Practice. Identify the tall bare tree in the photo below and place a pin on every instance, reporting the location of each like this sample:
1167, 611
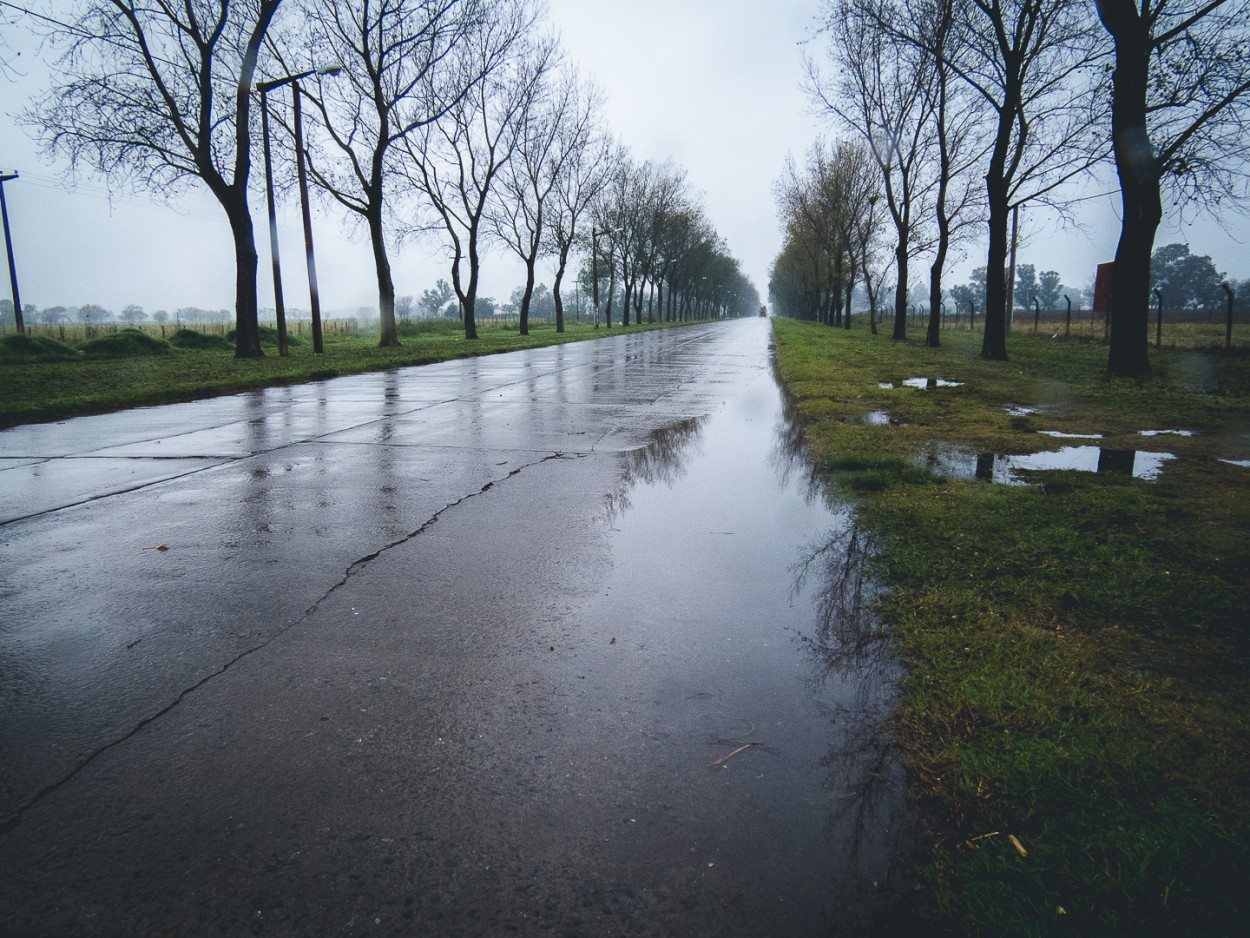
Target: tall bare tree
958, 139
399, 75
883, 92
555, 131
156, 95
1030, 62
577, 184
1180, 120
456, 160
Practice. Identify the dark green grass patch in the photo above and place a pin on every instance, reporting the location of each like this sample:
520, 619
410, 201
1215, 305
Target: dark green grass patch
192, 339
24, 347
1076, 650
418, 327
125, 343
268, 337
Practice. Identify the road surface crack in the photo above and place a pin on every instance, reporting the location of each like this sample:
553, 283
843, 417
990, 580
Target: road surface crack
356, 567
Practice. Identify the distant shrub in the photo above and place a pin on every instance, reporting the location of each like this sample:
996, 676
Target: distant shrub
126, 343
418, 327
268, 336
26, 347
191, 339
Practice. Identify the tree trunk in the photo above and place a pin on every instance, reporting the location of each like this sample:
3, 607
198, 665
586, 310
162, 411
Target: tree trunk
526, 296
1138, 169
555, 287
900, 291
467, 295
386, 285
247, 322
994, 340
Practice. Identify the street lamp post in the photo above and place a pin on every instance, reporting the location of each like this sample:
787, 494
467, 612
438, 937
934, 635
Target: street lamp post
314, 295
5, 176
279, 307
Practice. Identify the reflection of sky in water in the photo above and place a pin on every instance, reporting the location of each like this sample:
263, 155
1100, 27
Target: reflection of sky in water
764, 639
921, 383
994, 467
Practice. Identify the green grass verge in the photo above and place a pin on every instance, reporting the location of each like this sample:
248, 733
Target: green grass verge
42, 379
1077, 648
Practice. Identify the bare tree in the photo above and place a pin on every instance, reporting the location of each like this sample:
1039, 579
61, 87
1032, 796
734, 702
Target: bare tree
577, 184
1180, 118
956, 133
399, 76
156, 95
667, 196
809, 205
831, 213
457, 159
555, 131
1029, 62
883, 92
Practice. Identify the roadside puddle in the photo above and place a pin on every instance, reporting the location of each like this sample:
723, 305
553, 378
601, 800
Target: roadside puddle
924, 384
1005, 469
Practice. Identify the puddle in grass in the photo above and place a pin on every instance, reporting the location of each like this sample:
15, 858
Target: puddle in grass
1060, 435
1005, 470
1167, 432
924, 384
1244, 463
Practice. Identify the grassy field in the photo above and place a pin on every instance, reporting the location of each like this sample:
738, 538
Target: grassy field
1076, 702
98, 372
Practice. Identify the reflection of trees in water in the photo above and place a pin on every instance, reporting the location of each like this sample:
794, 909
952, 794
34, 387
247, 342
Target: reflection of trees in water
864, 768
791, 456
662, 460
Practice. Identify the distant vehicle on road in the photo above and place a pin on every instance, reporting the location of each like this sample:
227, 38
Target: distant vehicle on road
764, 311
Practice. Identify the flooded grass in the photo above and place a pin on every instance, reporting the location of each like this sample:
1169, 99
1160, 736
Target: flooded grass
1077, 659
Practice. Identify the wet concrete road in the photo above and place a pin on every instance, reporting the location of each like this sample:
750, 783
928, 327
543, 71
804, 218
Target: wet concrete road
449, 650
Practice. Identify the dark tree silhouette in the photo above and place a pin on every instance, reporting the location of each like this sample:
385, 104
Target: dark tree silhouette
1179, 118
156, 95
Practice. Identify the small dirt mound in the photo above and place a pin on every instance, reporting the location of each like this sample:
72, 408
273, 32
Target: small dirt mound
191, 339
32, 347
126, 343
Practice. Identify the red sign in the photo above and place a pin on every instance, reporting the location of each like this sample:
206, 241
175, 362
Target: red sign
1102, 288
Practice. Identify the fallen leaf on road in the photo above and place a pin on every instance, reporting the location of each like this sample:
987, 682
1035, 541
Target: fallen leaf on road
162, 548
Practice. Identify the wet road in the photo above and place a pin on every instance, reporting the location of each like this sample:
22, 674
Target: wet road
555, 642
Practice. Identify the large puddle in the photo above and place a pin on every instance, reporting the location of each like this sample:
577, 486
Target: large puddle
1009, 470
756, 675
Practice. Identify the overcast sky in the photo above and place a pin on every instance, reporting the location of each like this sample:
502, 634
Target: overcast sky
710, 84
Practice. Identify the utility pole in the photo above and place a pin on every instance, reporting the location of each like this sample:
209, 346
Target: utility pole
5, 176
279, 306
313, 294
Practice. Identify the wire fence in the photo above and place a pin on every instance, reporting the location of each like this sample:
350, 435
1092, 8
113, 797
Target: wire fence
1191, 328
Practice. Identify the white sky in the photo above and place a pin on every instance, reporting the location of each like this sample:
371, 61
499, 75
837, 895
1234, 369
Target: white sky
711, 84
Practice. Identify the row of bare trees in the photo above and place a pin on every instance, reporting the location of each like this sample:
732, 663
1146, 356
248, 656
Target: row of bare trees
456, 120
970, 109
